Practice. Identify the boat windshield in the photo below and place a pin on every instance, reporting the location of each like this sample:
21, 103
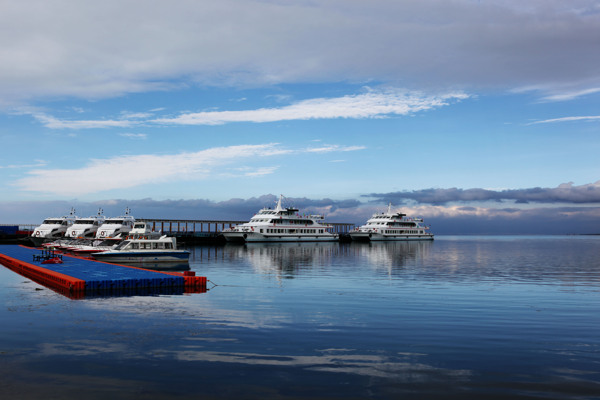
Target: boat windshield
122, 245
114, 222
52, 221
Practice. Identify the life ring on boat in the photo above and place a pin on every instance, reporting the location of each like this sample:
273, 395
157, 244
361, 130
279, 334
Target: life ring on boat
37, 233
102, 233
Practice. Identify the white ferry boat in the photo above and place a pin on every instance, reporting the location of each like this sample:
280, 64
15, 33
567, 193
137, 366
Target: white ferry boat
281, 225
52, 228
85, 228
112, 227
142, 249
391, 226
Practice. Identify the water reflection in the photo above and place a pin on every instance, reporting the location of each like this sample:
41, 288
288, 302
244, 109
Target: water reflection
389, 255
284, 259
504, 259
474, 318
290, 259
160, 266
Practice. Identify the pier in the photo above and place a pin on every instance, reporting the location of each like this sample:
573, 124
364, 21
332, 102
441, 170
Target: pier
187, 231
198, 231
78, 277
172, 226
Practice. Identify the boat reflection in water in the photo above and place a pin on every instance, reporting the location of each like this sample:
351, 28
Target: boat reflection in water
285, 259
391, 255
290, 259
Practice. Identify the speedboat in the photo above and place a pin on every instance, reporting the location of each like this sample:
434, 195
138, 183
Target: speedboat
52, 228
84, 228
91, 246
392, 226
144, 249
112, 227
281, 225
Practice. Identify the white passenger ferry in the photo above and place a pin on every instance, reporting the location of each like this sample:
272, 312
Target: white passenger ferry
391, 226
85, 228
52, 228
112, 227
281, 225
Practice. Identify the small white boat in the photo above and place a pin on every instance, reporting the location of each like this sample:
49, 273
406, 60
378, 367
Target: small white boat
112, 227
281, 225
52, 228
84, 228
92, 246
144, 249
391, 226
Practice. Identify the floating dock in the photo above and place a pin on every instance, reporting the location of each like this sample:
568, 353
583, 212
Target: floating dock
79, 277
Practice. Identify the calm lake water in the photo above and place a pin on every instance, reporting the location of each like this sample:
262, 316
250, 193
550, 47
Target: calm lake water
459, 318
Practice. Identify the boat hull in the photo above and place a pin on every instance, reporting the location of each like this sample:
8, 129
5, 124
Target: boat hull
142, 257
378, 237
40, 240
251, 237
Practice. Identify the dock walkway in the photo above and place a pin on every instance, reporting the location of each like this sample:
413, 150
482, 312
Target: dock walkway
86, 276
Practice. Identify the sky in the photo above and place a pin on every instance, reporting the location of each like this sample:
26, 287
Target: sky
480, 116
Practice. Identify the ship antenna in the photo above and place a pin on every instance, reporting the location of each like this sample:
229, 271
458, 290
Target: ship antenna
279, 207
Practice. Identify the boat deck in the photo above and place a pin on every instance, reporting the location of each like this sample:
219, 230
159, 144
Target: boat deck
82, 277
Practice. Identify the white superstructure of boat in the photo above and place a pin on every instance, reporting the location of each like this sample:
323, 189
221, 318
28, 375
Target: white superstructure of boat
281, 225
85, 228
112, 227
52, 228
143, 249
392, 226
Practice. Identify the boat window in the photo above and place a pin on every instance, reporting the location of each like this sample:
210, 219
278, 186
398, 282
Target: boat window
122, 245
168, 245
135, 245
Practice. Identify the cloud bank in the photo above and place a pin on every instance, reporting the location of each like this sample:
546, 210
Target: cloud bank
133, 170
110, 48
564, 193
444, 220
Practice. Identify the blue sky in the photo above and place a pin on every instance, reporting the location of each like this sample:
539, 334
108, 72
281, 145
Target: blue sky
480, 116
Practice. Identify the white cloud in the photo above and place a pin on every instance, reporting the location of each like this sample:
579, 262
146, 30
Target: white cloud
47, 52
134, 135
261, 171
38, 164
567, 119
130, 171
369, 105
55, 123
373, 104
334, 147
571, 95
